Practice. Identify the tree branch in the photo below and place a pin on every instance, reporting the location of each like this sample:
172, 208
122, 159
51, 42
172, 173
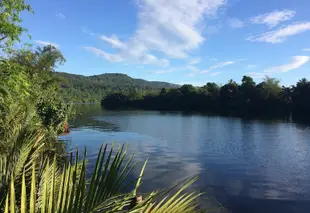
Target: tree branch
4, 37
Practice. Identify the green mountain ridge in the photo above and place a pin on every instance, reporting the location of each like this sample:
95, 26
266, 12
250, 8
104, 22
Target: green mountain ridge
79, 88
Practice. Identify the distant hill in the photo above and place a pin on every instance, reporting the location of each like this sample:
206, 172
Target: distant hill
81, 88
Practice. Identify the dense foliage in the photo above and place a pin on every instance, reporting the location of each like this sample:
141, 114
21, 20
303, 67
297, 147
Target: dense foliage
248, 97
10, 27
36, 173
78, 88
27, 81
67, 189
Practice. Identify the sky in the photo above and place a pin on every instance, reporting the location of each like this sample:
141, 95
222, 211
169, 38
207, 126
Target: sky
178, 41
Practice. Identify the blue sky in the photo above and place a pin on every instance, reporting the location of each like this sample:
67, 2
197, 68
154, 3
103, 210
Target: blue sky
179, 41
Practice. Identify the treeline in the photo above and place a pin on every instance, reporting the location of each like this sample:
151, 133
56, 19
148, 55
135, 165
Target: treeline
248, 97
78, 88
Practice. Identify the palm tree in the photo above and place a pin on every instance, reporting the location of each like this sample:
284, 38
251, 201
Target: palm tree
302, 82
53, 188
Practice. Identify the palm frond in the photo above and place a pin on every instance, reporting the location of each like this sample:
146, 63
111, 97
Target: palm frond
66, 189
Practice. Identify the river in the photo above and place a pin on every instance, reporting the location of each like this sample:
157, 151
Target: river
249, 166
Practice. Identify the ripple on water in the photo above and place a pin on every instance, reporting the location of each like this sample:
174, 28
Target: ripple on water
248, 165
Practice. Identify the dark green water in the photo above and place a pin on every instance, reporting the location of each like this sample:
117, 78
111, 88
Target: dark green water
250, 166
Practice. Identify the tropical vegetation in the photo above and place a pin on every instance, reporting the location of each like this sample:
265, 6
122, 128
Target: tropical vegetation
37, 174
248, 97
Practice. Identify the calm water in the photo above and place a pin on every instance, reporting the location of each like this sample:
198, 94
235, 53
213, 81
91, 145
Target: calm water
249, 166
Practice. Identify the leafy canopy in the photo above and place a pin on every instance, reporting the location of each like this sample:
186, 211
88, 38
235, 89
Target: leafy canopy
10, 21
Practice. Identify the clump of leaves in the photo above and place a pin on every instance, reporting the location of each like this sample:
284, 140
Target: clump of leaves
10, 21
66, 189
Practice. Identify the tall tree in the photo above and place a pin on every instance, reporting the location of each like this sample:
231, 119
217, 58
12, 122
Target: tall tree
247, 89
10, 21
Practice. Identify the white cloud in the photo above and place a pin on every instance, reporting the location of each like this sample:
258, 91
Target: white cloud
106, 56
194, 71
306, 49
114, 41
274, 18
297, 61
218, 65
215, 74
60, 15
172, 28
142, 59
235, 23
192, 68
280, 35
194, 61
45, 43
251, 66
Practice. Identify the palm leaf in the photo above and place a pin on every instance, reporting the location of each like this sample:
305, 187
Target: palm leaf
66, 189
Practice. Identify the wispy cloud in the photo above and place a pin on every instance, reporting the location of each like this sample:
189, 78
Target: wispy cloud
194, 61
280, 35
274, 18
251, 66
106, 56
235, 23
218, 65
194, 70
113, 41
60, 15
87, 31
215, 74
143, 59
295, 63
172, 28
306, 49
45, 43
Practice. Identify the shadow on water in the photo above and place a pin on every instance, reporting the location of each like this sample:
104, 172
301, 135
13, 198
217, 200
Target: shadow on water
298, 118
84, 117
85, 113
248, 165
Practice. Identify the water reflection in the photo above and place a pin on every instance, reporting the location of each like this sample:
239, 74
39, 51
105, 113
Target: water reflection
248, 165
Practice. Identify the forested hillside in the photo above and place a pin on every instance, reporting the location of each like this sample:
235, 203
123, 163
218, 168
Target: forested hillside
80, 88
